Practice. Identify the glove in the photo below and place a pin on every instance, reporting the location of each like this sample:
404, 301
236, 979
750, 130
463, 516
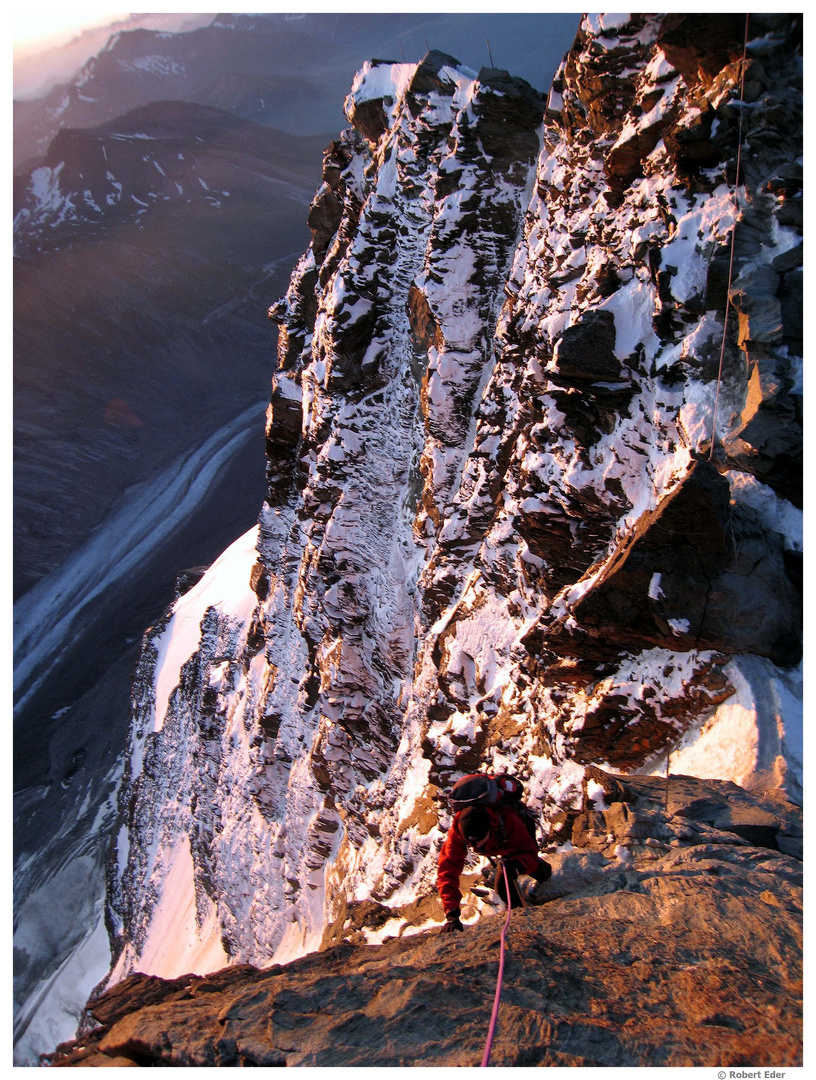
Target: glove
452, 922
543, 871
513, 868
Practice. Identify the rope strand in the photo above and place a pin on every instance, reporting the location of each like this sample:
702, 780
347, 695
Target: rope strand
733, 238
492, 1029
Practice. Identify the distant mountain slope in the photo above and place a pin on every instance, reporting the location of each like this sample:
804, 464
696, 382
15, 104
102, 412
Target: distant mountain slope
290, 72
140, 331
150, 250
195, 158
141, 243
210, 66
37, 70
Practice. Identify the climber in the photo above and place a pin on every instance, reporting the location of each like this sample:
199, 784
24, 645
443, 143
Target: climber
494, 823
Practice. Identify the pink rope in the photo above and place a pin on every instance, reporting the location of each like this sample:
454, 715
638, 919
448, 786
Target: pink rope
492, 1029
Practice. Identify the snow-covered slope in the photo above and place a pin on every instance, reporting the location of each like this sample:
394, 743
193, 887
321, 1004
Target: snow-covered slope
146, 163
494, 532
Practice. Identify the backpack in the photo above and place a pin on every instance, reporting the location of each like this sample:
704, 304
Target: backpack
482, 789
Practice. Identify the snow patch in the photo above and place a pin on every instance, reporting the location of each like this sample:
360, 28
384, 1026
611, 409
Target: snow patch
225, 586
633, 307
598, 23
178, 940
755, 737
776, 515
595, 794
153, 64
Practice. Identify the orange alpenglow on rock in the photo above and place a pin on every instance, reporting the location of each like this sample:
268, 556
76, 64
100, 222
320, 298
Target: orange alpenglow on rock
119, 412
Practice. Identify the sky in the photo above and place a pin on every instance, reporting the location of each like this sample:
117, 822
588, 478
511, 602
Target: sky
34, 30
43, 29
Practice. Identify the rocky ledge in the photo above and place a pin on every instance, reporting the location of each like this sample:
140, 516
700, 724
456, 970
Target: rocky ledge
672, 937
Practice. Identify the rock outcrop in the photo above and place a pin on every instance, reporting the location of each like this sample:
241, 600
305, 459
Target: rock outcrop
516, 515
672, 938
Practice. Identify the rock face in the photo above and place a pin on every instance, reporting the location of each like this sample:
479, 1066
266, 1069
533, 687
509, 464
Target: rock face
496, 533
678, 944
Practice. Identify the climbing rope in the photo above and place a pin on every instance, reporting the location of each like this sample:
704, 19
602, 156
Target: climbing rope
733, 238
492, 1029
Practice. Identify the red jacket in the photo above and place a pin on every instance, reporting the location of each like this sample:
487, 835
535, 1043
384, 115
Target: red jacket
516, 844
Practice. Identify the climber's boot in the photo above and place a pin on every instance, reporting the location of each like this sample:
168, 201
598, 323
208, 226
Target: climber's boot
530, 890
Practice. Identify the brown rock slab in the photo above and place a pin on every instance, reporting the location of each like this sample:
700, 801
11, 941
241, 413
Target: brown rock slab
685, 950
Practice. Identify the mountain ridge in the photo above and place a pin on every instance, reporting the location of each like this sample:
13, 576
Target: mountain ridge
678, 947
503, 526
478, 551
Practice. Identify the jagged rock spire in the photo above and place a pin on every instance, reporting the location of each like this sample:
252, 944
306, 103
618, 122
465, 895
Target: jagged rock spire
490, 536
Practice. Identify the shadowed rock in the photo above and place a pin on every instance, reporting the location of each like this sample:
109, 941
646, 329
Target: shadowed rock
585, 351
692, 555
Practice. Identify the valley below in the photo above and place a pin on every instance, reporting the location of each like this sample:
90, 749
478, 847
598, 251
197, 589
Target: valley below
96, 608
